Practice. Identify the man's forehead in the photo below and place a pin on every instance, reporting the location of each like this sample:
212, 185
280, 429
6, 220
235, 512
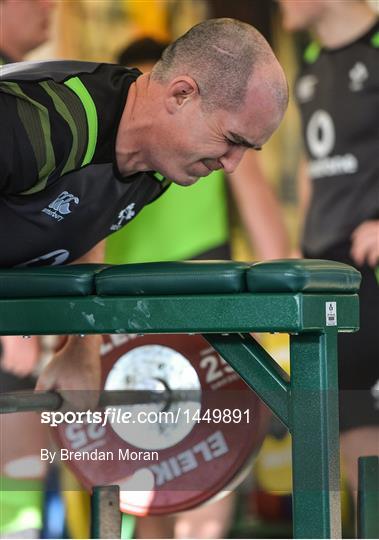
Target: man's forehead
261, 112
253, 124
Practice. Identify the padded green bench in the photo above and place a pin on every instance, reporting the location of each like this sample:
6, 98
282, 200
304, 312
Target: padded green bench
311, 300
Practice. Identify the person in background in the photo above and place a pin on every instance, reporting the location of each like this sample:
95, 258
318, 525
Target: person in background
338, 96
192, 223
25, 25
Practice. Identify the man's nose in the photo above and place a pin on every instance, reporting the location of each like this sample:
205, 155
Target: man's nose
231, 158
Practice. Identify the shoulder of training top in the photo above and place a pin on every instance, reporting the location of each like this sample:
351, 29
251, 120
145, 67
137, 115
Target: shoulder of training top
313, 49
58, 70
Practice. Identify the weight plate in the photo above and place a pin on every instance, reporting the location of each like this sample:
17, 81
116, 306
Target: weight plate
195, 452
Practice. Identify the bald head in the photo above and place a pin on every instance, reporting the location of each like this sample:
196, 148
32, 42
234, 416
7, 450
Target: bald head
215, 92
222, 55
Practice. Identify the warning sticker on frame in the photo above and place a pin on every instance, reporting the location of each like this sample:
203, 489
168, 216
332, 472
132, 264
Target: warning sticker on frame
331, 313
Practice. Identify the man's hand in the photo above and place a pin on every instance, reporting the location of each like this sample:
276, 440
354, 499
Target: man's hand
20, 355
75, 367
365, 243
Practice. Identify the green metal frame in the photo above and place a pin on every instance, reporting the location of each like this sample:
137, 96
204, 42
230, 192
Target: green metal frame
307, 402
222, 313
368, 497
105, 512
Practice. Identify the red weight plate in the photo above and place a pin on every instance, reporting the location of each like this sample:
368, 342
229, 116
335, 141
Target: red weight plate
167, 467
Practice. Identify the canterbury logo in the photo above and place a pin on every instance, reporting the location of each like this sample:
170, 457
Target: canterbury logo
61, 205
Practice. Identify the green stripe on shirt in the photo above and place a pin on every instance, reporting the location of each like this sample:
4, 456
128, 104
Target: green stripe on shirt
36, 121
75, 118
76, 85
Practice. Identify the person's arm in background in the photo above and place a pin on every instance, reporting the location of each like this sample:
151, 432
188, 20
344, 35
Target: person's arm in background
365, 243
76, 366
365, 238
304, 188
259, 209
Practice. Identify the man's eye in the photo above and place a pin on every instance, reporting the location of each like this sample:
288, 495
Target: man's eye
232, 143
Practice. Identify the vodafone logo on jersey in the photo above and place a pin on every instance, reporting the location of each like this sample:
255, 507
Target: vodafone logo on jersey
321, 135
321, 138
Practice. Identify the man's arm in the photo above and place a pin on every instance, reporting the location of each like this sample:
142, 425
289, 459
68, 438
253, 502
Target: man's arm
304, 190
259, 209
76, 366
22, 150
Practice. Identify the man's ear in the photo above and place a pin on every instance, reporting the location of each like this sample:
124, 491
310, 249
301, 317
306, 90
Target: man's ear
180, 91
